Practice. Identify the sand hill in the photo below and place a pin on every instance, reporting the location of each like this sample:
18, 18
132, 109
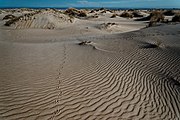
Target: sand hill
43, 20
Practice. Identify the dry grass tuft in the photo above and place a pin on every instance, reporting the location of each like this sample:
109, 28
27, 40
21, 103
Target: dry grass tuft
126, 15
12, 21
155, 16
102, 8
114, 15
104, 11
176, 18
93, 16
169, 13
92, 11
107, 25
9, 17
82, 14
137, 14
75, 13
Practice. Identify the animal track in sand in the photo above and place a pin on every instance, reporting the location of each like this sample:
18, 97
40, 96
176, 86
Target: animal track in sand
59, 80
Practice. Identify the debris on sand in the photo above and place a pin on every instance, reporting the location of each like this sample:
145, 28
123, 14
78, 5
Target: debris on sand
85, 43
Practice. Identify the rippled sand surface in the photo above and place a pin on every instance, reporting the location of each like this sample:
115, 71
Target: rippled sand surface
127, 76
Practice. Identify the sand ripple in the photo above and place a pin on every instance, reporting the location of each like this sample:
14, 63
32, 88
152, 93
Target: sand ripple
65, 81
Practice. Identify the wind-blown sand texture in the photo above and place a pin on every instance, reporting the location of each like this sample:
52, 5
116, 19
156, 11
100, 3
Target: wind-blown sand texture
47, 75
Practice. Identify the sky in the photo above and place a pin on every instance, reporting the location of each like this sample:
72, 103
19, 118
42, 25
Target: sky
92, 3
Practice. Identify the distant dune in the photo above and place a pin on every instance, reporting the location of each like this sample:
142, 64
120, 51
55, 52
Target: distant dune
45, 20
61, 66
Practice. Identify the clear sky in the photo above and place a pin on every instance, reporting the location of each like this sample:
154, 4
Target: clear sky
92, 3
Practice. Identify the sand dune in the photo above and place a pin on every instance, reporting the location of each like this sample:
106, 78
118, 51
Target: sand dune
123, 76
49, 21
43, 20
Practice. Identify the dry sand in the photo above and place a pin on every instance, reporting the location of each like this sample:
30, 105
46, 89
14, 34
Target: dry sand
124, 73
